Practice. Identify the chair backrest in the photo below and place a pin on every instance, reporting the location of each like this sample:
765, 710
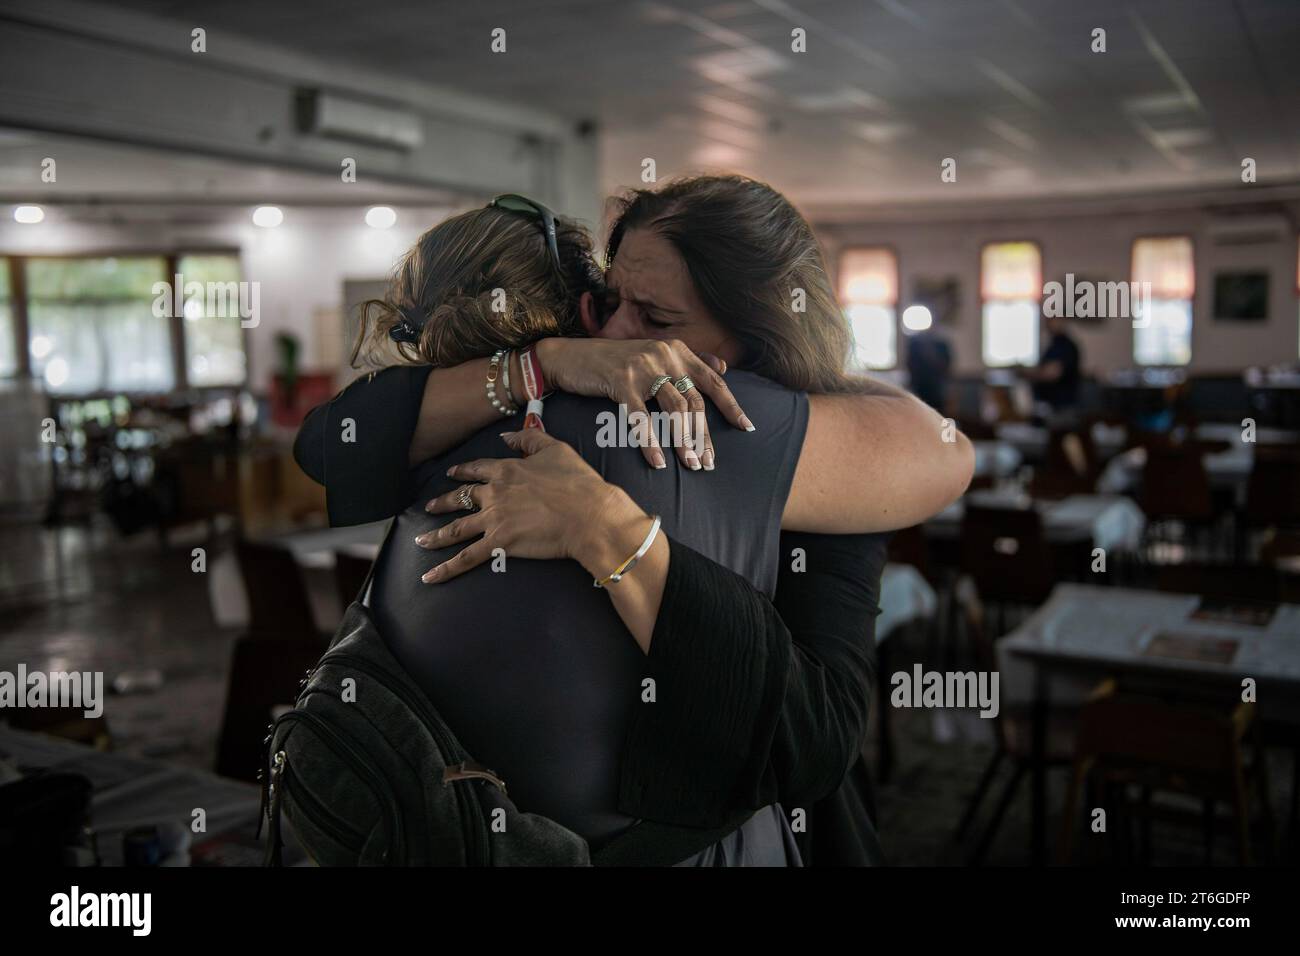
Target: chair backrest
1174, 483
1170, 735
1243, 582
1005, 551
277, 595
1273, 491
264, 673
983, 646
1073, 451
350, 572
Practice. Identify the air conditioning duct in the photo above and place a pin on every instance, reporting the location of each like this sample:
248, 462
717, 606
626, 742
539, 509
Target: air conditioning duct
342, 117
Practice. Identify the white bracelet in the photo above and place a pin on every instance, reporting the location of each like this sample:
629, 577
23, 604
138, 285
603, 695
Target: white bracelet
506, 408
630, 563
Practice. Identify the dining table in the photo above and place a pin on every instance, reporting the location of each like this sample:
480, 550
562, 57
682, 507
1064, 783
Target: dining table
1084, 633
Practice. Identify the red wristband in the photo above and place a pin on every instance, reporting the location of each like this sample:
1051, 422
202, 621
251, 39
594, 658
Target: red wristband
534, 387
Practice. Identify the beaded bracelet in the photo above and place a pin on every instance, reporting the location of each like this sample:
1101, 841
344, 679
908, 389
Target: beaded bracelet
506, 408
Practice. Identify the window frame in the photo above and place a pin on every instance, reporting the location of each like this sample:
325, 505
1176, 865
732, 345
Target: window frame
898, 291
1191, 300
20, 300
979, 286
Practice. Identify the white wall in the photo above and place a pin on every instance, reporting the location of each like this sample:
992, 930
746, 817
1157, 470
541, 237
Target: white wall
1096, 245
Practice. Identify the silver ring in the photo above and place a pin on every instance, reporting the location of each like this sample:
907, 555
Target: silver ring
659, 383
684, 384
465, 497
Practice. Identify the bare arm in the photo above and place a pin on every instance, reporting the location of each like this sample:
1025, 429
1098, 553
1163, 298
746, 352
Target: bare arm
876, 461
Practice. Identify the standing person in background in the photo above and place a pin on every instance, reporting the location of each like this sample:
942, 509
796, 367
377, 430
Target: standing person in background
1056, 377
929, 361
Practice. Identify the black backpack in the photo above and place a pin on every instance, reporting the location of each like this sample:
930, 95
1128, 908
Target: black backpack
370, 774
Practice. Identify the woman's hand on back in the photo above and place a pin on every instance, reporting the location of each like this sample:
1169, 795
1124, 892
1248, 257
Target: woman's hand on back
625, 371
550, 504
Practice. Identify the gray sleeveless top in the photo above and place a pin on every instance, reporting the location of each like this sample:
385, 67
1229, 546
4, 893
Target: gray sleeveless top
531, 667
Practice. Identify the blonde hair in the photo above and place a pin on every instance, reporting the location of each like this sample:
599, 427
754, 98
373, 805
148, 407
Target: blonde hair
478, 282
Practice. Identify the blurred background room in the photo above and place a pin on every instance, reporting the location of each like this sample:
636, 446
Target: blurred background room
1072, 228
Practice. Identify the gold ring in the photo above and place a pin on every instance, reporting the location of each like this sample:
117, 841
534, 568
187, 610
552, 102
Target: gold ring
465, 496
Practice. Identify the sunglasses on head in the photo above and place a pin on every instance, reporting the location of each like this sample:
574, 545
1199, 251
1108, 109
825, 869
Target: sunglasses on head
513, 202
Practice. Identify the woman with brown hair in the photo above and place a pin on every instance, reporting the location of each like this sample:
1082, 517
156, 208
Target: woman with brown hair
685, 267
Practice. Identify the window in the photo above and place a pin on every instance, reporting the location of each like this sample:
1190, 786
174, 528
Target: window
1164, 337
1011, 289
92, 324
8, 352
869, 293
214, 339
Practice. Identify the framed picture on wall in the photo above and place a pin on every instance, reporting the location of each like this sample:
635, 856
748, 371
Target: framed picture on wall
941, 295
1241, 296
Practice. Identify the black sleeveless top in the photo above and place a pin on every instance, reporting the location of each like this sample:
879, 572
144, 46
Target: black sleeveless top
531, 667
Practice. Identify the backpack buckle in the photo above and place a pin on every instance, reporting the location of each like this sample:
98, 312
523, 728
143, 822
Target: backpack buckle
469, 770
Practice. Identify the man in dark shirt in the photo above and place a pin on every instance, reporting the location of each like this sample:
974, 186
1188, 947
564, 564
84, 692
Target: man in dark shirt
929, 360
1056, 376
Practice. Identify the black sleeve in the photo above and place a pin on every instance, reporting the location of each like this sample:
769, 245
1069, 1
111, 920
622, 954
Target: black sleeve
748, 710
358, 445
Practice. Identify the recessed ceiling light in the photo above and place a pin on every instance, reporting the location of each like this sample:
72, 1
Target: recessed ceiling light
380, 217
28, 214
267, 216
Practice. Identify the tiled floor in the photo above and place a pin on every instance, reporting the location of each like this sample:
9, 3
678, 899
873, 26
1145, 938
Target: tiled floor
85, 599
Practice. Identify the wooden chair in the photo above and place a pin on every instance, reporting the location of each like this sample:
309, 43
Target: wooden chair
1175, 485
1013, 736
1226, 582
278, 604
1005, 552
264, 673
1273, 490
1203, 750
350, 572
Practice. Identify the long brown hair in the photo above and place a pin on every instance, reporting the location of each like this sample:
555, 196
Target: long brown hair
477, 282
749, 252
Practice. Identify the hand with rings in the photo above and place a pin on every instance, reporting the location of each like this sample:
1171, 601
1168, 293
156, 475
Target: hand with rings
634, 372
549, 504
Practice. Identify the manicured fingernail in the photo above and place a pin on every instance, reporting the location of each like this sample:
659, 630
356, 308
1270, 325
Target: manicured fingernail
707, 459
432, 575
429, 506
657, 459
506, 434
423, 539
723, 363
746, 424
451, 472
693, 461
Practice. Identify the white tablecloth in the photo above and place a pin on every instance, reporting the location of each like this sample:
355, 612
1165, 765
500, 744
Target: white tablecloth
1112, 522
904, 596
1085, 625
314, 551
996, 458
